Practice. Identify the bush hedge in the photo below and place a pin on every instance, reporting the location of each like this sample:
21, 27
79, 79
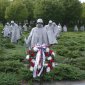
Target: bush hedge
10, 66
9, 79
61, 72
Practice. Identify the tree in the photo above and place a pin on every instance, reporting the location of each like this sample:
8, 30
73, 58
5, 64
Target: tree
16, 11
3, 5
49, 9
72, 11
83, 14
29, 6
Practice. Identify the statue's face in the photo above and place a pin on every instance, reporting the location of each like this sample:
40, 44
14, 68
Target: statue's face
7, 24
12, 24
50, 24
39, 25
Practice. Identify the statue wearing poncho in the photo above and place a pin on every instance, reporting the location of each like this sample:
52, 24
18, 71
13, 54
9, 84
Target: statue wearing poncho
37, 36
15, 36
51, 33
6, 30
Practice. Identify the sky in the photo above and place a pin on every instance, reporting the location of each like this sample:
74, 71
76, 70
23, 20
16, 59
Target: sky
82, 1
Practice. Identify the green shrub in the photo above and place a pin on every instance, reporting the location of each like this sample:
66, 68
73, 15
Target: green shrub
21, 41
49, 76
70, 72
5, 40
65, 72
80, 63
61, 72
82, 48
74, 54
71, 43
18, 57
59, 59
62, 52
70, 61
12, 54
9, 45
1, 27
81, 41
11, 57
73, 48
1, 51
9, 79
25, 74
10, 66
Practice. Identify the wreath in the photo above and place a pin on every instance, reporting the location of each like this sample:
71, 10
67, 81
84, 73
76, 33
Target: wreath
40, 58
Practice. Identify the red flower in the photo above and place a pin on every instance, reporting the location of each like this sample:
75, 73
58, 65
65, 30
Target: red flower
50, 51
32, 64
49, 65
47, 54
32, 54
51, 60
30, 59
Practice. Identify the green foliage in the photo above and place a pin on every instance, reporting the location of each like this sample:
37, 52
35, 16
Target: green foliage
64, 11
1, 27
49, 9
61, 72
16, 11
10, 66
3, 5
83, 13
2, 51
9, 79
71, 49
9, 45
29, 6
65, 72
78, 62
25, 74
58, 10
11, 57
69, 72
71, 16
